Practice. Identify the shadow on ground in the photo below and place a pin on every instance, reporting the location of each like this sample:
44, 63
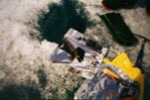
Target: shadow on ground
147, 86
21, 92
70, 93
42, 78
67, 14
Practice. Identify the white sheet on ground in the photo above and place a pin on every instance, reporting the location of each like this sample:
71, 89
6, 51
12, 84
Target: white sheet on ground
60, 56
91, 58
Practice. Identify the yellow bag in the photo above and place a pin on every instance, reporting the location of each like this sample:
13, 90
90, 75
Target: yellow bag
123, 62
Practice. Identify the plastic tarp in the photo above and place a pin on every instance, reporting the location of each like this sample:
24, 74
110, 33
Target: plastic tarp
103, 87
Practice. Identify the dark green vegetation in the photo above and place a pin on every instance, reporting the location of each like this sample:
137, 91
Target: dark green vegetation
61, 17
20, 92
118, 29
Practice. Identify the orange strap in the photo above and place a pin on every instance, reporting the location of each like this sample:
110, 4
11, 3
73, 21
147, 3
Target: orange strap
110, 73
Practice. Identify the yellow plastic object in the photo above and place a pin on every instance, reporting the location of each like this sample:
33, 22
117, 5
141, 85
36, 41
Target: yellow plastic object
123, 62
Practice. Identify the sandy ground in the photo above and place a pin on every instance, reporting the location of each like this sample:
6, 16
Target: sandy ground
24, 58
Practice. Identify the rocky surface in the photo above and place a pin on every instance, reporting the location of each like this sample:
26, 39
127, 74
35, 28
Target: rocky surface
24, 53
